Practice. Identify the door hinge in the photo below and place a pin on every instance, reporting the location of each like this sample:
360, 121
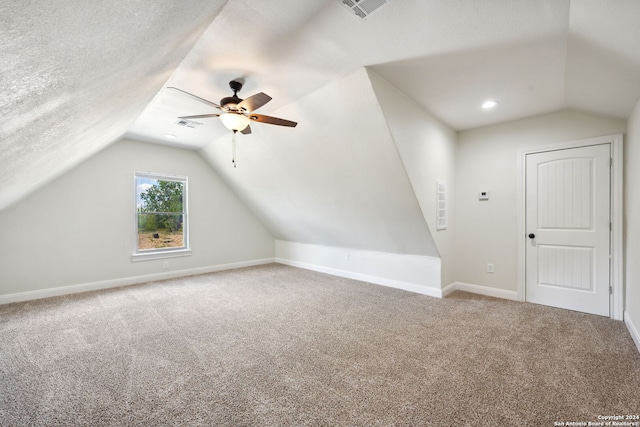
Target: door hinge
610, 290
611, 162
610, 226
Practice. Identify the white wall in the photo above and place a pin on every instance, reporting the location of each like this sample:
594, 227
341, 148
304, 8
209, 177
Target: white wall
486, 232
335, 180
338, 182
80, 228
415, 273
427, 147
632, 224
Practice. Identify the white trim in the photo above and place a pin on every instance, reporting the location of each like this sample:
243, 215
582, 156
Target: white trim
617, 236
145, 254
406, 286
415, 273
480, 290
451, 287
617, 233
158, 254
161, 176
635, 335
125, 281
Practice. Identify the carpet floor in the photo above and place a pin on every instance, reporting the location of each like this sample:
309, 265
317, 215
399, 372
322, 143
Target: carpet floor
279, 346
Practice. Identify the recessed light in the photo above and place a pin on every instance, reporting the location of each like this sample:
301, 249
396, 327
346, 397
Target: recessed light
489, 104
169, 135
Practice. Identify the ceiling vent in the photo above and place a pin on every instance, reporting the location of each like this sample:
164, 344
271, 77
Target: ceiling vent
363, 8
188, 123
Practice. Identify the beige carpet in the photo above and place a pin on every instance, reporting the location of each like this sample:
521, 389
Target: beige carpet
279, 346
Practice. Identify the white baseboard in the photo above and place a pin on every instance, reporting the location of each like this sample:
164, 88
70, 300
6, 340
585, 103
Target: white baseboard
411, 287
635, 335
125, 281
481, 290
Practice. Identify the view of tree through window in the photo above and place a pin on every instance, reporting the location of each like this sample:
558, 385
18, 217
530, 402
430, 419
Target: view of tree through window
161, 213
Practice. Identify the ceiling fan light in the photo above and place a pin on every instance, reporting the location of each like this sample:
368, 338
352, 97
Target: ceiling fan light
235, 121
489, 104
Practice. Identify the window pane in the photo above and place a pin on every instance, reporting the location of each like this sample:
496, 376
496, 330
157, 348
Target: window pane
155, 195
157, 231
161, 212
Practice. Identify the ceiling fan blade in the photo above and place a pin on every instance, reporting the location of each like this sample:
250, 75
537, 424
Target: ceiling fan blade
199, 116
254, 102
272, 120
195, 97
246, 131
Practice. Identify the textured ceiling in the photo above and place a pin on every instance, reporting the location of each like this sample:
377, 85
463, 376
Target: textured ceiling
76, 75
534, 56
292, 48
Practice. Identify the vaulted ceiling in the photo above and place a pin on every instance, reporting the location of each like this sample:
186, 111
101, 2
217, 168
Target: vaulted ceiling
78, 75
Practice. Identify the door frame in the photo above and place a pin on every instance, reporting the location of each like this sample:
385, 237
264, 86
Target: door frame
616, 302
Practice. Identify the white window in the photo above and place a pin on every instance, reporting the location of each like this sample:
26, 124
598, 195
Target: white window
162, 221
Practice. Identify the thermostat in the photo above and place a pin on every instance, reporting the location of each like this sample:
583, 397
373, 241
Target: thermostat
483, 195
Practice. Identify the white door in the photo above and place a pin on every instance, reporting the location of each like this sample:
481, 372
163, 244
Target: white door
568, 223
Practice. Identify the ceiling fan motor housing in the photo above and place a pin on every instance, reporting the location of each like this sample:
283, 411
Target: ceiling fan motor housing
230, 102
235, 86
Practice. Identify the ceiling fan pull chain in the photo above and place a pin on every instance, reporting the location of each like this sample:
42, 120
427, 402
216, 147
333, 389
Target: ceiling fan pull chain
233, 149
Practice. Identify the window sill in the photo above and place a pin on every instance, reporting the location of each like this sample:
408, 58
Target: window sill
147, 256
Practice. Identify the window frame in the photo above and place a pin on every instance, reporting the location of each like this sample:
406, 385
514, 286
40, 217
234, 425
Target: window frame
158, 253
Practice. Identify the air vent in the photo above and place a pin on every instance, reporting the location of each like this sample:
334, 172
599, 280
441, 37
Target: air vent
361, 9
188, 123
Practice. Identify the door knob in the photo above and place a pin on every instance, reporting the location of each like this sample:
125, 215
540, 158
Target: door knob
532, 236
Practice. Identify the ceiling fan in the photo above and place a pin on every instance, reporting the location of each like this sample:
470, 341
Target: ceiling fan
237, 113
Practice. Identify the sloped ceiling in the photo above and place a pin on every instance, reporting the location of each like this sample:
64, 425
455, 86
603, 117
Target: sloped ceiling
336, 180
78, 75
603, 57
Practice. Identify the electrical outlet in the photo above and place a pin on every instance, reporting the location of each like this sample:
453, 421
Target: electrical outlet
489, 268
165, 265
